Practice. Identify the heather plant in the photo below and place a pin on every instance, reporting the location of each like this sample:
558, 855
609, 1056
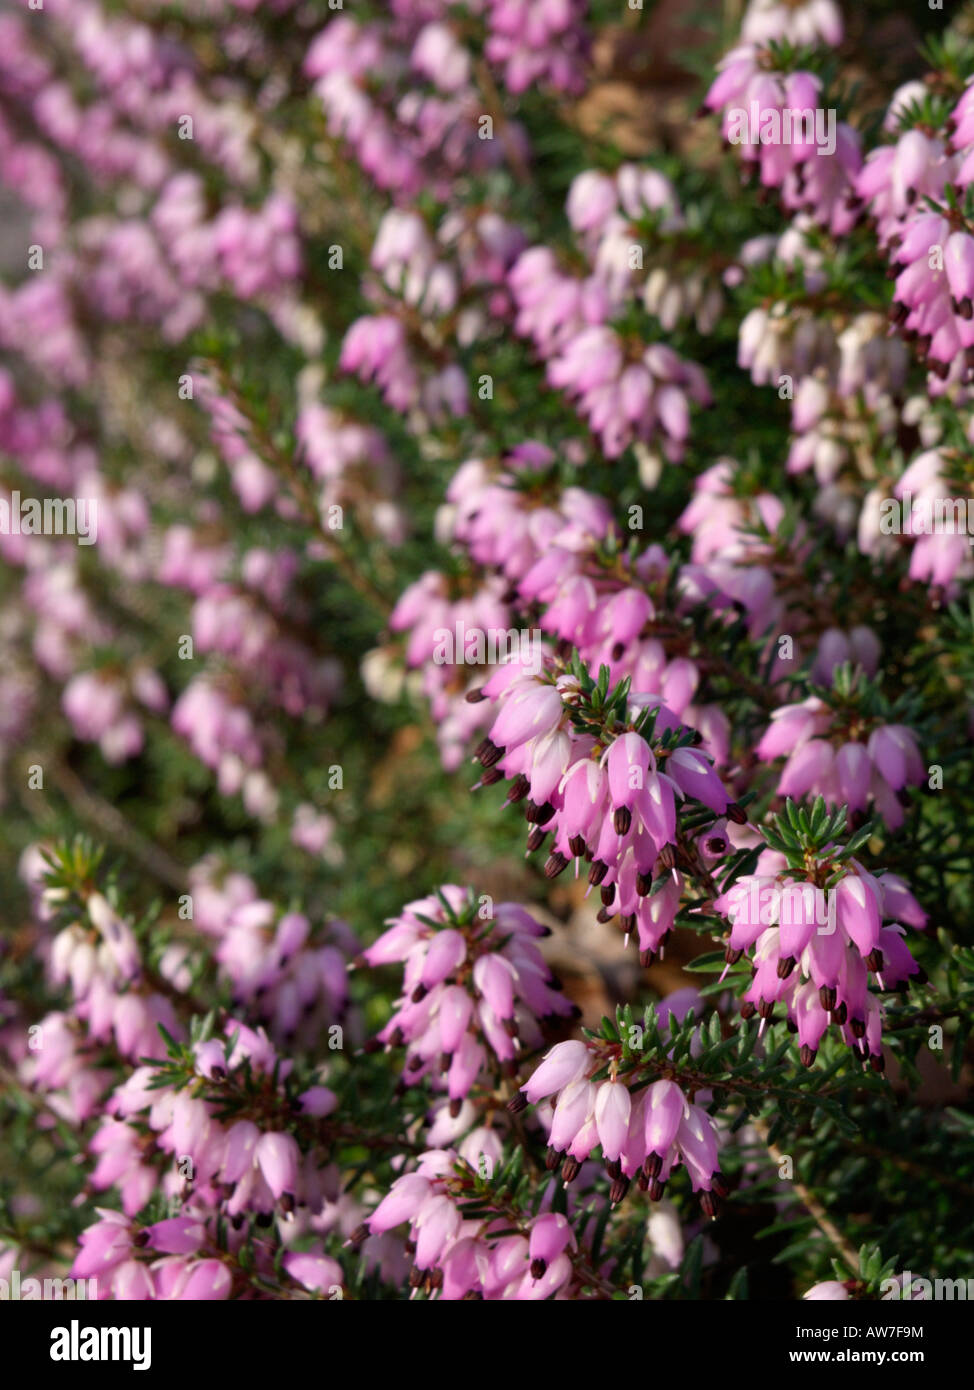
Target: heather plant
486, 649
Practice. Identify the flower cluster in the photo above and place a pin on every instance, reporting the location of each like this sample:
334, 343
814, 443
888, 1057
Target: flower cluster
390, 388
819, 937
627, 393
227, 1172
772, 110
478, 1257
644, 1131
475, 988
603, 778
832, 754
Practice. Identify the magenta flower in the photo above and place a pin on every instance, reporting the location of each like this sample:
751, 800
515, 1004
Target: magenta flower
473, 993
814, 949
643, 1133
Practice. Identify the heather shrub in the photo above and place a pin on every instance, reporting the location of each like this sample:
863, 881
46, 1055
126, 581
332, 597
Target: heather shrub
486, 649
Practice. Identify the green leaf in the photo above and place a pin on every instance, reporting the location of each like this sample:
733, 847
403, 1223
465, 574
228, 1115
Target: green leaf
609, 1030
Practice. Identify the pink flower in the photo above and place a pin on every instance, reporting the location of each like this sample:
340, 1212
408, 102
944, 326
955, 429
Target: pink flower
278, 1157
206, 1281
830, 1291
565, 1063
316, 1272
665, 1110
612, 1109
695, 776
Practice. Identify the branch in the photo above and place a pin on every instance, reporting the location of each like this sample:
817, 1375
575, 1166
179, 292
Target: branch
821, 1217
